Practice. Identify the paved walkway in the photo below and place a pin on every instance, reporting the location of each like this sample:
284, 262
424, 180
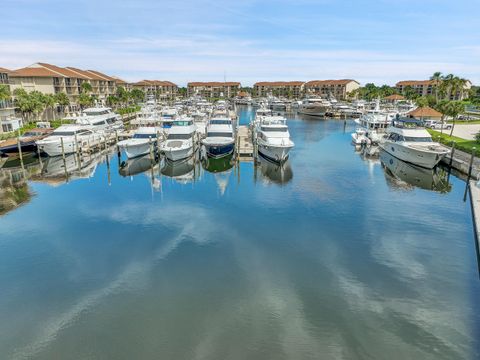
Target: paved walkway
465, 131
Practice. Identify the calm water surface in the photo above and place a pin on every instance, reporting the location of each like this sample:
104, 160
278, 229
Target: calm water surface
330, 257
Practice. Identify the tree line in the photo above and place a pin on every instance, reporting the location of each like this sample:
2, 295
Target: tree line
35, 103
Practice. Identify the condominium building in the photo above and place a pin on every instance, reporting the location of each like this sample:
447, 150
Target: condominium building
427, 87
162, 89
7, 109
52, 79
289, 89
331, 88
213, 89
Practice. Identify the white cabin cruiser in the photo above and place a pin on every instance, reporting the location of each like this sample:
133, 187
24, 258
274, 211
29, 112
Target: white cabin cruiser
273, 138
140, 144
374, 123
409, 141
72, 135
179, 142
220, 137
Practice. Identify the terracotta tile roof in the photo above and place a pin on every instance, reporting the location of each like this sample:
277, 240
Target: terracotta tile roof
101, 75
329, 82
118, 80
213, 83
34, 72
279, 83
154, 83
395, 97
81, 72
415, 82
64, 71
3, 70
424, 112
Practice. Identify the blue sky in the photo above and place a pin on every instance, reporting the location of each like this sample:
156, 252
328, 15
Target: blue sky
380, 41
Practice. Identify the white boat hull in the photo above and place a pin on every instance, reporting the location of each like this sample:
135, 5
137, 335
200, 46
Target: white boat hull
135, 149
274, 152
173, 152
421, 157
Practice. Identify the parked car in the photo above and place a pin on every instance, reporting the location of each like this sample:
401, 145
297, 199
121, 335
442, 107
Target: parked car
439, 126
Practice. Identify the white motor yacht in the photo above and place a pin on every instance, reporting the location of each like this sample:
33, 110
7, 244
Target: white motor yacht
314, 106
220, 137
273, 138
101, 118
179, 142
408, 140
72, 136
374, 123
142, 141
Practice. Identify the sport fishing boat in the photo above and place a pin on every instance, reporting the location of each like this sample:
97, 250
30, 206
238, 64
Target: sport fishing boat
72, 135
273, 138
408, 141
179, 142
140, 144
27, 142
220, 138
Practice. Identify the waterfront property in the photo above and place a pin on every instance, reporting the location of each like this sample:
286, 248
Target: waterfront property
7, 108
427, 87
330, 256
288, 89
338, 89
163, 89
52, 79
425, 113
207, 90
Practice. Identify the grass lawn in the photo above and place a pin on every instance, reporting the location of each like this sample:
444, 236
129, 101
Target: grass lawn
464, 122
461, 144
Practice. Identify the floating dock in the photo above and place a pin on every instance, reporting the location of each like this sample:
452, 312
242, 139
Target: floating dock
244, 144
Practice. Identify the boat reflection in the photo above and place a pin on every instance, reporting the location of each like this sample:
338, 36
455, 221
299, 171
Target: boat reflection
275, 173
222, 169
183, 172
136, 166
57, 171
407, 176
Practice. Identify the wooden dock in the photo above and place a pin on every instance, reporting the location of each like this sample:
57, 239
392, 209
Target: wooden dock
244, 144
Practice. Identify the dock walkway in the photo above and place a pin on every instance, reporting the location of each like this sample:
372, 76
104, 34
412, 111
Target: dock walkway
461, 162
244, 144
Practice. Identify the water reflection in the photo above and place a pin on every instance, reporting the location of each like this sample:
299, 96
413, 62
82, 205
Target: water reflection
136, 166
413, 176
14, 189
56, 170
183, 172
275, 173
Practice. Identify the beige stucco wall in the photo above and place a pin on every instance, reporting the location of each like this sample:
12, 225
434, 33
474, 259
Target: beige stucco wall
42, 84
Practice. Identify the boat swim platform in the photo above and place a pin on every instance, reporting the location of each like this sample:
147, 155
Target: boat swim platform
244, 144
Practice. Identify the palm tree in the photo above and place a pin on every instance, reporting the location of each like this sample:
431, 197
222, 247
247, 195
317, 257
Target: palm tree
4, 92
62, 100
112, 100
122, 95
85, 100
437, 80
86, 87
455, 108
50, 101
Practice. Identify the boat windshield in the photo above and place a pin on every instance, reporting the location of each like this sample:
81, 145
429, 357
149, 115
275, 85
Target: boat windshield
219, 134
96, 112
64, 133
274, 129
418, 139
183, 123
220, 122
179, 136
144, 136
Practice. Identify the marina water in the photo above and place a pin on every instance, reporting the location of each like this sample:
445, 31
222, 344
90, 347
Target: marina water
329, 257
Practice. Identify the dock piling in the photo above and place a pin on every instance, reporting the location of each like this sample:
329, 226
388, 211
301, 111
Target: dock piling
19, 145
